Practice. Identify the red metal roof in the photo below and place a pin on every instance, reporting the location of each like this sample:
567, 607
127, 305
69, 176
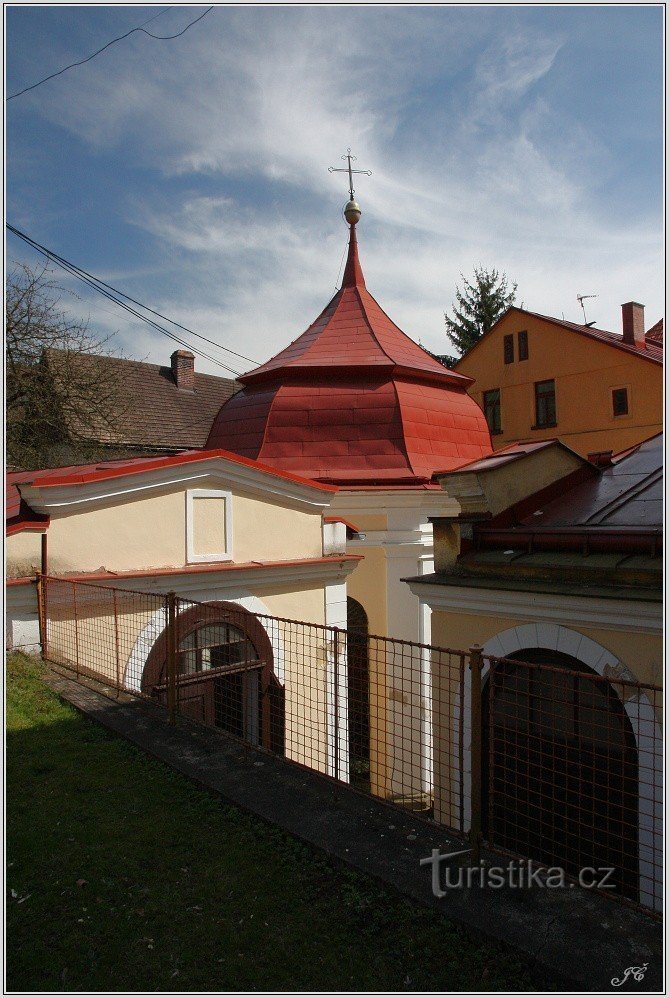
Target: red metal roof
505, 455
626, 494
20, 516
353, 331
655, 334
354, 401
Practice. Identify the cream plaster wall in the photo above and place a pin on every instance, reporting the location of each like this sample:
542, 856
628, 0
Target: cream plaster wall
302, 604
23, 554
368, 584
209, 534
150, 532
641, 653
265, 530
139, 534
21, 623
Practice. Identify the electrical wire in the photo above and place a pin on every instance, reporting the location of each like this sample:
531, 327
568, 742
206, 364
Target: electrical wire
108, 292
59, 259
82, 62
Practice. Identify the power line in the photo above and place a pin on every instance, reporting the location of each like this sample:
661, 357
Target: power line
116, 296
59, 259
92, 282
82, 62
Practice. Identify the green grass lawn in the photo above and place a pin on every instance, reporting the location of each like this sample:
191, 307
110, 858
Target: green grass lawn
124, 876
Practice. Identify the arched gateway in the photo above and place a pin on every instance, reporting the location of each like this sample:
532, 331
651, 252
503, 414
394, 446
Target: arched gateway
560, 766
225, 669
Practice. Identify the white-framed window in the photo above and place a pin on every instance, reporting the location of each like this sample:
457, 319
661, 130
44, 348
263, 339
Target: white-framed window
208, 525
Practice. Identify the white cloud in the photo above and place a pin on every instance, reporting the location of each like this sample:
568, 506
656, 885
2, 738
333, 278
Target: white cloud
262, 101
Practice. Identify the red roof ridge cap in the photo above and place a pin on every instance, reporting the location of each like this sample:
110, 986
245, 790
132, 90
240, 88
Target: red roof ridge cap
369, 323
156, 464
353, 275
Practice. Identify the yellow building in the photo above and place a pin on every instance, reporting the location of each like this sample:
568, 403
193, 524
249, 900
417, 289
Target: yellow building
240, 546
537, 378
559, 583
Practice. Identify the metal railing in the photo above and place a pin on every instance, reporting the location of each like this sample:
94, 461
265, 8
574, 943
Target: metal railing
573, 769
536, 760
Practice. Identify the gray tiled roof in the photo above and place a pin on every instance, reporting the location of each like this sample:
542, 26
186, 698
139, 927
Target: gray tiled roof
153, 412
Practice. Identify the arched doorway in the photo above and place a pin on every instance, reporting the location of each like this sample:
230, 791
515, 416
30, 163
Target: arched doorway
560, 767
358, 693
225, 673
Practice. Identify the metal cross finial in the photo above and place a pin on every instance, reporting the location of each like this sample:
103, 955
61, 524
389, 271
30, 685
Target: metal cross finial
348, 169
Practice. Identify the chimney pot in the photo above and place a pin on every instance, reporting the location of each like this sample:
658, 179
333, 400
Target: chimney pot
183, 369
634, 328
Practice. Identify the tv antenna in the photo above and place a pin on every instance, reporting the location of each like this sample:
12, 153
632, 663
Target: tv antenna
580, 299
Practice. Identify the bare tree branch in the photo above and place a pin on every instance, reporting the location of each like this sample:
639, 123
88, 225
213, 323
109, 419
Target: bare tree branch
63, 396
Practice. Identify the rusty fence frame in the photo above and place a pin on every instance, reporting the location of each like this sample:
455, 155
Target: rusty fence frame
464, 736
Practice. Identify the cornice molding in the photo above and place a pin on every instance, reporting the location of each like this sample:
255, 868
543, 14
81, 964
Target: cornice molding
59, 500
640, 617
248, 577
433, 502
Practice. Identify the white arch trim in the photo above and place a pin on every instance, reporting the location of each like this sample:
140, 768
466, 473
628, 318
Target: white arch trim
158, 622
639, 710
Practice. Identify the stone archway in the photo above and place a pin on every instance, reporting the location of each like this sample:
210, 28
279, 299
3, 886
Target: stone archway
641, 717
226, 670
560, 767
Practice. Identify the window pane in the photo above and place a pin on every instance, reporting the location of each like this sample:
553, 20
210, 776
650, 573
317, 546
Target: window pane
522, 345
189, 662
544, 394
493, 410
620, 404
215, 646
213, 634
508, 349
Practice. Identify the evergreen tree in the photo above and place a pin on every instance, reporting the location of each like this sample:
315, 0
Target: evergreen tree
478, 306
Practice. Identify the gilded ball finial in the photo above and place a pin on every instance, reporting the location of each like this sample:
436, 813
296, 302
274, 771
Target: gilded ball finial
352, 212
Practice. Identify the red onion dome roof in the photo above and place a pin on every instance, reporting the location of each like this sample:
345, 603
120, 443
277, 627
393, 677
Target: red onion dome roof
354, 400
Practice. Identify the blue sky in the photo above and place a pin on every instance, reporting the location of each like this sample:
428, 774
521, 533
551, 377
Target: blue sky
193, 173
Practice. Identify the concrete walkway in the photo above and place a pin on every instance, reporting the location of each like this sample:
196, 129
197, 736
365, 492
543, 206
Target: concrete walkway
578, 936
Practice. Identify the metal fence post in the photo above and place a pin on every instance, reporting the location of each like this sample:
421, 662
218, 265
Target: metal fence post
41, 614
117, 646
476, 665
336, 702
76, 627
172, 657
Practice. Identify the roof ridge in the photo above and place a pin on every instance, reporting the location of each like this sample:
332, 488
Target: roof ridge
439, 366
605, 336
369, 323
404, 438
131, 360
602, 514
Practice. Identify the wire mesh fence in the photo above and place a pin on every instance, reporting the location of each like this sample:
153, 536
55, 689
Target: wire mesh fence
100, 632
538, 760
572, 771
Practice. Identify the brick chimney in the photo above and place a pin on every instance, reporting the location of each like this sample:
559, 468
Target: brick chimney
634, 329
183, 369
